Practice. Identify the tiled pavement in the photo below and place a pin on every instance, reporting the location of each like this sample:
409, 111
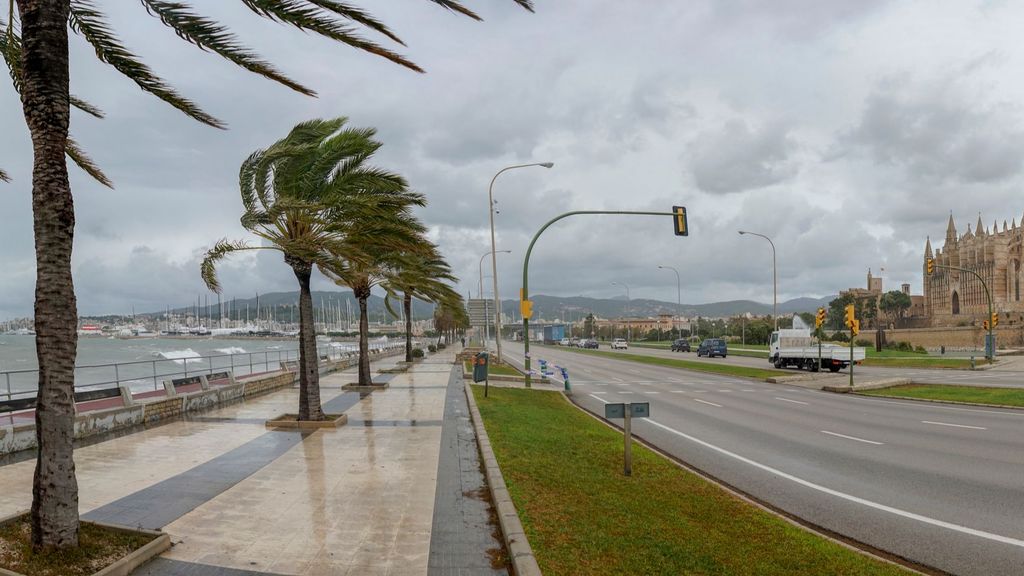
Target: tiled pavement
238, 499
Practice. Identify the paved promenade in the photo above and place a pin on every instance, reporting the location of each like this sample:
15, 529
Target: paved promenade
238, 499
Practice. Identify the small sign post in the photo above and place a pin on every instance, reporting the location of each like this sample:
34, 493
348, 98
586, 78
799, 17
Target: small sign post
627, 412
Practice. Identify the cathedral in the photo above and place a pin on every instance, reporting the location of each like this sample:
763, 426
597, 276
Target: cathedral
956, 298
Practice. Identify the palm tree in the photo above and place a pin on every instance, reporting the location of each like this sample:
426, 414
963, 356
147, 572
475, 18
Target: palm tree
35, 47
389, 239
309, 196
423, 276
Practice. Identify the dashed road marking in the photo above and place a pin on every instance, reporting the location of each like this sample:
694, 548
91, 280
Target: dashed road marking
953, 425
852, 438
793, 401
706, 402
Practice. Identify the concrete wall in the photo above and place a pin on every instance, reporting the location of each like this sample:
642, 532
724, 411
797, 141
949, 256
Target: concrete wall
966, 337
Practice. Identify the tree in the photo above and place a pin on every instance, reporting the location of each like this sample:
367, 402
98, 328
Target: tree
421, 275
306, 197
588, 326
894, 304
35, 47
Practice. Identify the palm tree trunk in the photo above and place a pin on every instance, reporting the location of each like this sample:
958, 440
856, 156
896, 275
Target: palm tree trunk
364, 326
407, 305
309, 372
45, 102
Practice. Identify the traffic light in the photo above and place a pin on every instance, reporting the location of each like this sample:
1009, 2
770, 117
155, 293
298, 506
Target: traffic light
995, 319
850, 316
819, 318
930, 264
984, 324
526, 308
679, 221
854, 328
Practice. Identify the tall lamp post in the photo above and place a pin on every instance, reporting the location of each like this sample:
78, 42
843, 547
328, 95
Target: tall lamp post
775, 284
494, 258
481, 292
629, 325
679, 291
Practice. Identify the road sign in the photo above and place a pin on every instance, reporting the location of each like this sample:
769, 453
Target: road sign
679, 221
627, 412
640, 409
526, 308
481, 312
615, 410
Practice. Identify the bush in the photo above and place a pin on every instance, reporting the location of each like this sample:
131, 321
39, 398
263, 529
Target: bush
839, 337
417, 352
920, 350
442, 346
863, 342
904, 347
431, 348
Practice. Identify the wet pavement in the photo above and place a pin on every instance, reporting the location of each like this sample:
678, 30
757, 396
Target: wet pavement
238, 499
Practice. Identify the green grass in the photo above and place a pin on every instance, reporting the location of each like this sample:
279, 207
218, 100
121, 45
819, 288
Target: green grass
1001, 396
98, 548
923, 362
496, 369
583, 517
726, 369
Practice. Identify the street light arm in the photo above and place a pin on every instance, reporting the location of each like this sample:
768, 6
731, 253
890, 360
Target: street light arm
775, 283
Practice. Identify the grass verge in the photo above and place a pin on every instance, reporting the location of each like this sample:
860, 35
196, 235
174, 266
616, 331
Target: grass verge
98, 548
725, 369
583, 517
496, 369
923, 362
972, 394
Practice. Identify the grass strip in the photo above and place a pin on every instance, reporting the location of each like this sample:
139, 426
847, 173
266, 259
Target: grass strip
972, 394
924, 362
495, 369
98, 548
583, 517
726, 369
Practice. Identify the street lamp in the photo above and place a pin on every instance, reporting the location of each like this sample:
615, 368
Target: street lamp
775, 284
679, 301
629, 325
494, 258
481, 292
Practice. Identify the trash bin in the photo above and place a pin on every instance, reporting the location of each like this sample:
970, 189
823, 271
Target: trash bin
480, 364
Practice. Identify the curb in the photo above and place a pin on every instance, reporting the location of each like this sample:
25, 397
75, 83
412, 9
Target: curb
523, 561
877, 384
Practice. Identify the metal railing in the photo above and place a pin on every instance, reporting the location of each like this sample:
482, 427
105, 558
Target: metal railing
145, 375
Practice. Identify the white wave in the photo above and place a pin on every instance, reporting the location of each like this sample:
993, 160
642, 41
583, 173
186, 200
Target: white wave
180, 356
231, 350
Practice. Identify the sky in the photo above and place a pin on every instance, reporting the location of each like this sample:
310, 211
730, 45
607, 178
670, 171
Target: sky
847, 131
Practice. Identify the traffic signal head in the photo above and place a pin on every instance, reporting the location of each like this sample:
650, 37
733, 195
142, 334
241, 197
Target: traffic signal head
854, 328
679, 221
819, 318
526, 308
995, 319
930, 264
984, 324
850, 317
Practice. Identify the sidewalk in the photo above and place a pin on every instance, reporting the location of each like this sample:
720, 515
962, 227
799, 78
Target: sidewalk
239, 499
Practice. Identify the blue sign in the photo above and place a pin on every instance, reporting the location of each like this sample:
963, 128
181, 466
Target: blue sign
615, 410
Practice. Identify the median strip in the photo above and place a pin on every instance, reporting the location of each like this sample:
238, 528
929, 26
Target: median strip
956, 394
711, 368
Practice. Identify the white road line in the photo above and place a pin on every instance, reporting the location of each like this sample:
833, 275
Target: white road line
706, 402
953, 425
616, 380
725, 390
602, 400
678, 391
848, 497
853, 438
652, 392
700, 390
928, 405
748, 390
600, 393
625, 392
793, 401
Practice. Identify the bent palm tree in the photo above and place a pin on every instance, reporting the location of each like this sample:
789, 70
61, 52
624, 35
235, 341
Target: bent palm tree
304, 196
422, 276
34, 45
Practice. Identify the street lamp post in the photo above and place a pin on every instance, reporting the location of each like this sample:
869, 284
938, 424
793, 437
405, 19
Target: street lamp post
494, 258
481, 292
629, 325
679, 291
775, 284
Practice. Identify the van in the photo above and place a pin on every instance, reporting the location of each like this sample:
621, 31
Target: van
713, 347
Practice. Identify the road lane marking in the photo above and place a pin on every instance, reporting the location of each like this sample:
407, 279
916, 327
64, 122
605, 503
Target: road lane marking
625, 392
651, 392
616, 380
678, 391
725, 390
601, 393
852, 438
793, 401
929, 405
700, 390
748, 390
953, 425
843, 495
602, 400
706, 402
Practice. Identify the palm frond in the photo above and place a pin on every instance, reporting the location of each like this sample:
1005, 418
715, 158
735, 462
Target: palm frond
88, 21
357, 15
208, 268
209, 35
79, 157
4, 177
304, 17
87, 107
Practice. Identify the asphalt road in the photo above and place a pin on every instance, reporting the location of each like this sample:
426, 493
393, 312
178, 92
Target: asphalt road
938, 485
1009, 372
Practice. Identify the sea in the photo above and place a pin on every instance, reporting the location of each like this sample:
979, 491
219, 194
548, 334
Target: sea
144, 363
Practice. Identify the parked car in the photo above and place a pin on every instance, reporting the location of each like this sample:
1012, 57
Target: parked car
591, 344
681, 345
619, 344
563, 342
713, 347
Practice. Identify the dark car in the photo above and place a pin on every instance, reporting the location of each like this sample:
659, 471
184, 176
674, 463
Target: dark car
713, 347
591, 344
681, 345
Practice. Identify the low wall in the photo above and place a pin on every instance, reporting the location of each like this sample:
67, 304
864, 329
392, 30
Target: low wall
23, 436
961, 337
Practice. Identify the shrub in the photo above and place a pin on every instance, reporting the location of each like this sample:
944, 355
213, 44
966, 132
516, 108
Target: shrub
431, 348
839, 337
904, 347
417, 352
863, 342
920, 350
442, 346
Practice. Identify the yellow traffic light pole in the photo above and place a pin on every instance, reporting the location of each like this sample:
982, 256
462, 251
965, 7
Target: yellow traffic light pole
679, 221
931, 265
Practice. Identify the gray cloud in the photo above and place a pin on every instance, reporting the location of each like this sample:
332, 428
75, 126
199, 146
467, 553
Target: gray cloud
736, 158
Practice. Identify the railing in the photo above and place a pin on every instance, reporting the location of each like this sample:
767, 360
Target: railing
144, 375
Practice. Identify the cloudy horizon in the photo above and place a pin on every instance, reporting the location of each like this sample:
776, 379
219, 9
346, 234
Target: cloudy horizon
846, 131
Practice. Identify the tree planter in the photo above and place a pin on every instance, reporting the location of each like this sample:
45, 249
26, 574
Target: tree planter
158, 543
292, 421
355, 387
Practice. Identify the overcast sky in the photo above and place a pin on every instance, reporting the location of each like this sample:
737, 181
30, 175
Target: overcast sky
845, 130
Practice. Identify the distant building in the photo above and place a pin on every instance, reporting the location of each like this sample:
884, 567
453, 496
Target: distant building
954, 298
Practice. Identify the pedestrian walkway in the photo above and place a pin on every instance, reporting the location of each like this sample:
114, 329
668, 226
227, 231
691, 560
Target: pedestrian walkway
239, 499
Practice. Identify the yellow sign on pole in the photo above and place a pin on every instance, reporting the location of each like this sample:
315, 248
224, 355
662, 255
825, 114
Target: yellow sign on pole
526, 308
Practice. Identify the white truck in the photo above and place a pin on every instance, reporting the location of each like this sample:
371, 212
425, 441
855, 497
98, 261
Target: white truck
796, 347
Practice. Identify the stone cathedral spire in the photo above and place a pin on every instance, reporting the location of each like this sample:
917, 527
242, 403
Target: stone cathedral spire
951, 231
